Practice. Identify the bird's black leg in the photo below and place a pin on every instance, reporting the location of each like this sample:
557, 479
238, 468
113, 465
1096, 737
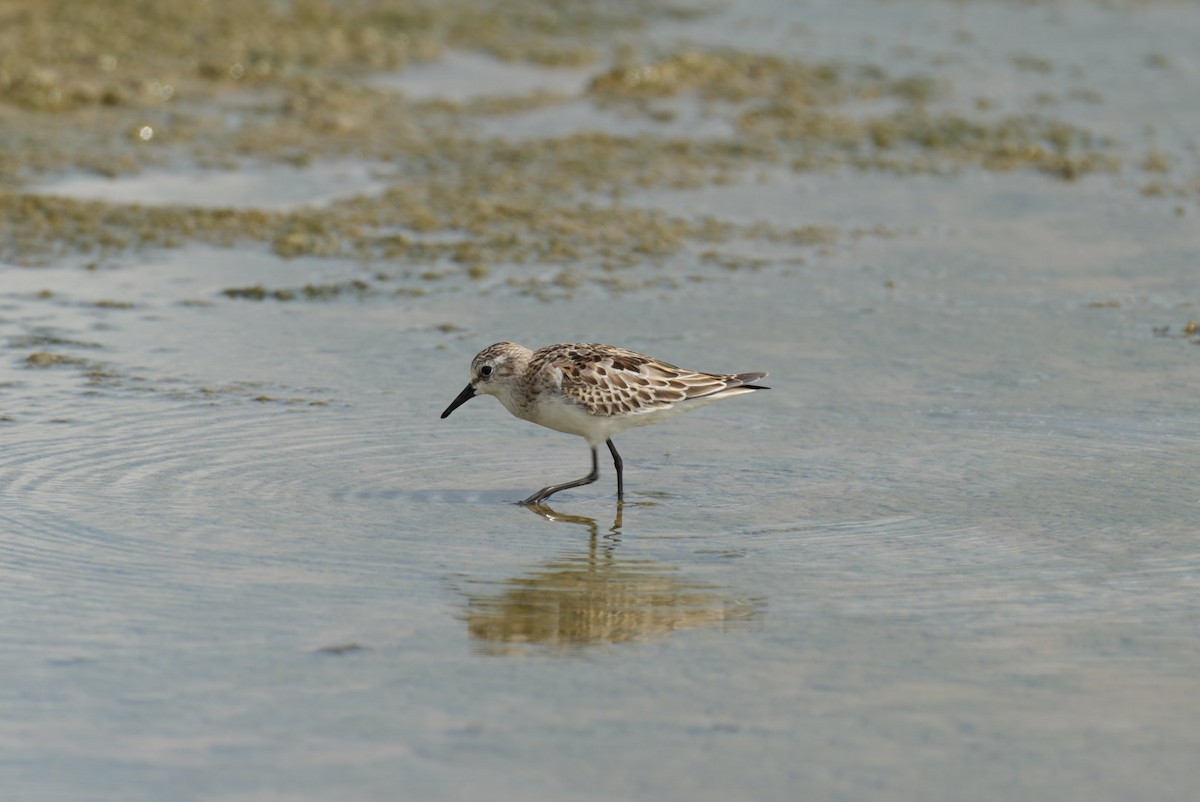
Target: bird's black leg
547, 492
619, 466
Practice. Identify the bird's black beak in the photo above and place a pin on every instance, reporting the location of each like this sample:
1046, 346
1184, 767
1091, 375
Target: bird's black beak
463, 397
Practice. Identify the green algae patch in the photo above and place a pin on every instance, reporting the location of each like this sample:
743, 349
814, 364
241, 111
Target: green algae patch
111, 86
220, 85
45, 359
42, 228
798, 111
309, 292
256, 292
60, 55
109, 303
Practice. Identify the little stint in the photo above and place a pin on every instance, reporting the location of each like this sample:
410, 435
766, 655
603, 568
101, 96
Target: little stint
594, 391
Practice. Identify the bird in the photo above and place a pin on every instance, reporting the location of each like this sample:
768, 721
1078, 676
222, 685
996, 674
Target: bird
592, 390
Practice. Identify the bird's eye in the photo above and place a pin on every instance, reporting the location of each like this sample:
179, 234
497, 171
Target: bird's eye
486, 370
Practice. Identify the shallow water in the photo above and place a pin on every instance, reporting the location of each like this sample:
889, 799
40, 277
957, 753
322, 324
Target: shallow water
951, 554
250, 186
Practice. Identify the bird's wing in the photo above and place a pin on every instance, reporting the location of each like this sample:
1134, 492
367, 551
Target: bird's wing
606, 380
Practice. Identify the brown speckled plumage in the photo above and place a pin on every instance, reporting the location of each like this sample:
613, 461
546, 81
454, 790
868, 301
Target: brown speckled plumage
607, 380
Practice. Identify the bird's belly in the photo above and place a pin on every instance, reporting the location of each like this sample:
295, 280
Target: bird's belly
564, 416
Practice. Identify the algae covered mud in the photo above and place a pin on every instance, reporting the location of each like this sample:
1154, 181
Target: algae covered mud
249, 253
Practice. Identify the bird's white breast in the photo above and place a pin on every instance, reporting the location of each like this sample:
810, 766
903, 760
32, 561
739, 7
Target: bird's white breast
556, 412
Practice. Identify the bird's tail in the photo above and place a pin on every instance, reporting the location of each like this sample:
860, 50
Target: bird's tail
736, 384
744, 379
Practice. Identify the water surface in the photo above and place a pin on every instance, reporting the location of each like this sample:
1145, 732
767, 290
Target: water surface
950, 555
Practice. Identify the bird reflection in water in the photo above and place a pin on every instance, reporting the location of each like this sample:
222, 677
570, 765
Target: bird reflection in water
595, 597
